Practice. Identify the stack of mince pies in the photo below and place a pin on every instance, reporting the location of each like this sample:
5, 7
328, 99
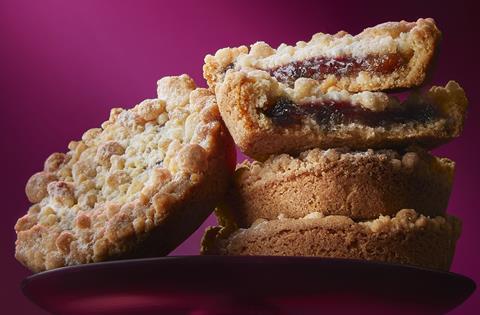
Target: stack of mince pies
341, 167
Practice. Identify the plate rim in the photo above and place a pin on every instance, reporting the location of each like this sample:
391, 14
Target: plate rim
239, 259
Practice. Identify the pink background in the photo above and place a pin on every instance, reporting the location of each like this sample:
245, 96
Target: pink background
63, 66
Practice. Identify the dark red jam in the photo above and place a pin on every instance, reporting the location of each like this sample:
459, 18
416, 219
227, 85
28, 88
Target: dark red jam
319, 67
330, 113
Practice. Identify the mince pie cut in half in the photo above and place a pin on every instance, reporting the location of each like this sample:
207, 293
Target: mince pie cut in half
391, 55
265, 117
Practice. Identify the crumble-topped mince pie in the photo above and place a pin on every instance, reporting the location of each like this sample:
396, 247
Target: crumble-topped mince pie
265, 117
388, 56
136, 187
361, 185
404, 238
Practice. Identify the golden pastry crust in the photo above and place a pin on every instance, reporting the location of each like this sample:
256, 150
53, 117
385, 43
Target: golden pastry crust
407, 238
361, 185
412, 44
136, 187
244, 98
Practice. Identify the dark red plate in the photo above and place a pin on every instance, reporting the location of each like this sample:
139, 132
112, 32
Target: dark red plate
200, 285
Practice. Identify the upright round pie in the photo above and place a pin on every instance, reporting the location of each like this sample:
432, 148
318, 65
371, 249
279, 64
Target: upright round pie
137, 186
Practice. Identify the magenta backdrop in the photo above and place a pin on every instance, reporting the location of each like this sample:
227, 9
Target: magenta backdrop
64, 65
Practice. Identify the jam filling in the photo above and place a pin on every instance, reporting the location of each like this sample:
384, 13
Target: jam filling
318, 68
330, 113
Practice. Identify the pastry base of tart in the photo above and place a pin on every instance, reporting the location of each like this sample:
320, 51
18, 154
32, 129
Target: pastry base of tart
407, 238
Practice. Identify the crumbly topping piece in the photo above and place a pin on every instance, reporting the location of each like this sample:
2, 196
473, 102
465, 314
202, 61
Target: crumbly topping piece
311, 91
119, 181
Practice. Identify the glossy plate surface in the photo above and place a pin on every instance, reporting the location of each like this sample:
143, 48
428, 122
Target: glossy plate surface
201, 285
